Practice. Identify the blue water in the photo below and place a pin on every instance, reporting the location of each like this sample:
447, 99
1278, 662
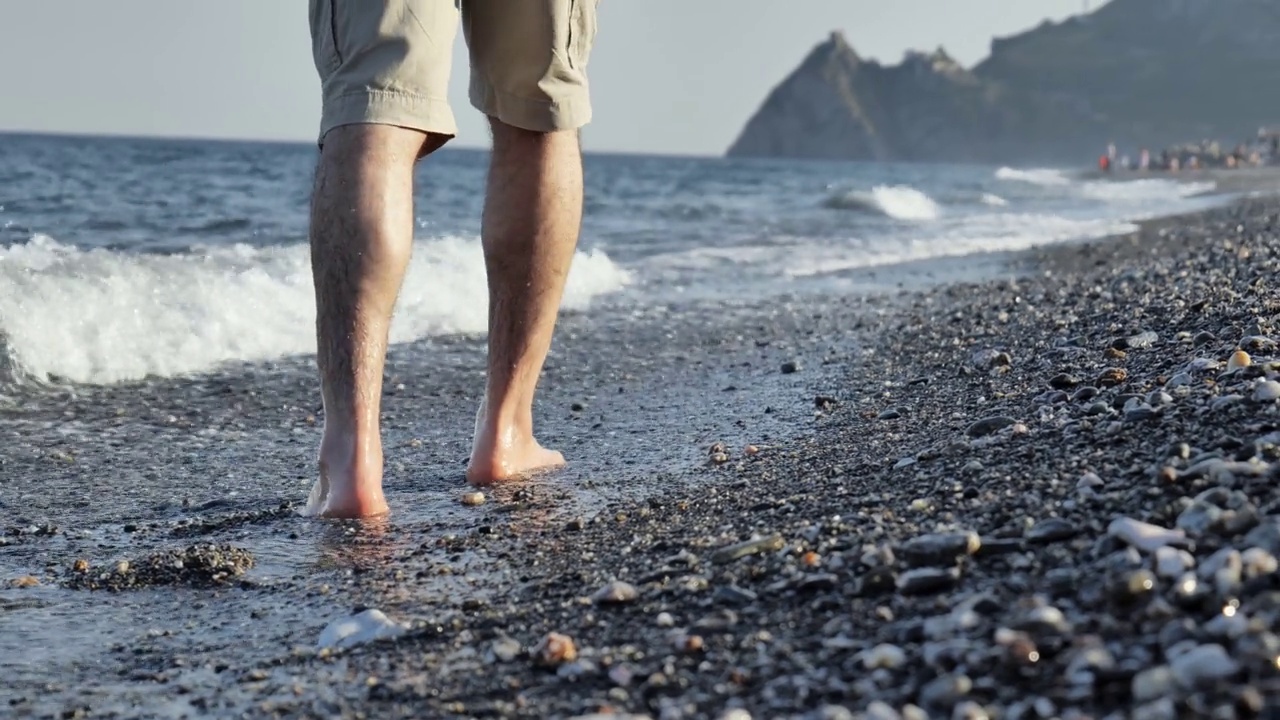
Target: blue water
121, 258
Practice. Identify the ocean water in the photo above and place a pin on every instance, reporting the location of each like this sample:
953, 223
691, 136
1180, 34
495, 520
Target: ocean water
124, 258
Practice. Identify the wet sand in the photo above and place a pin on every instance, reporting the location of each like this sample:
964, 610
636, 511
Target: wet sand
929, 513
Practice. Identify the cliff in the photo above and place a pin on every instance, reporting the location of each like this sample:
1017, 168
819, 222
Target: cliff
1137, 72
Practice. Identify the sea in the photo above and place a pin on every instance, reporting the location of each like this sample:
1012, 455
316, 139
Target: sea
127, 258
158, 387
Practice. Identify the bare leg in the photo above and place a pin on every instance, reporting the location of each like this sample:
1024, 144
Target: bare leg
532, 213
361, 239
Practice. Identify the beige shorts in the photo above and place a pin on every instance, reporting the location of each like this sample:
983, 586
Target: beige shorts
388, 61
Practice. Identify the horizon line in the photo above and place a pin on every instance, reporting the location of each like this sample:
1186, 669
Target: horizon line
116, 135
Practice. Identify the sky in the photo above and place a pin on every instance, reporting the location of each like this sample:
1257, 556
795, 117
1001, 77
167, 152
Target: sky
667, 76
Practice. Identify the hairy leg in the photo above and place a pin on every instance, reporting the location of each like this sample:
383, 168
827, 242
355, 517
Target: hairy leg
532, 214
361, 239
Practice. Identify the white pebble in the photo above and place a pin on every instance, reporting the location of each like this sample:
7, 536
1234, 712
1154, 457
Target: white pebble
884, 656
1153, 683
1267, 391
1172, 563
1145, 536
366, 627
1258, 561
880, 710
665, 620
1205, 664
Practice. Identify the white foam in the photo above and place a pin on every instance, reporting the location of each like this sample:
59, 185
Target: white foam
368, 626
102, 316
1033, 176
1145, 190
981, 234
993, 200
901, 202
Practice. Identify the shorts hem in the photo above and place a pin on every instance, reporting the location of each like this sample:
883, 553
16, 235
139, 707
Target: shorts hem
388, 107
570, 112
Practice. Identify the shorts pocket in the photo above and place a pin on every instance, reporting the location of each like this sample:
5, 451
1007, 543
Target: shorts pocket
324, 35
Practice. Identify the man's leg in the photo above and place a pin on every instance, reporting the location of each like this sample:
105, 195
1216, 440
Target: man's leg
533, 208
361, 238
384, 70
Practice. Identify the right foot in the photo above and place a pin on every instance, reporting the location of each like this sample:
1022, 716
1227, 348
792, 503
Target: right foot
499, 457
347, 488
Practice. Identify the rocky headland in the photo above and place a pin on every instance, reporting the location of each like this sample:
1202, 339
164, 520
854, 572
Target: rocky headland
1139, 73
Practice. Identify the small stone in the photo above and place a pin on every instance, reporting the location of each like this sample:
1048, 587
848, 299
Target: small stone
1204, 337
750, 547
1064, 381
889, 414
554, 650
939, 548
505, 649
990, 425
1153, 683
733, 595
1199, 518
1141, 341
990, 358
1238, 360
922, 581
1266, 391
1140, 414
1179, 380
1088, 392
665, 619
26, 581
719, 458
1258, 562
1098, 408
945, 691
1203, 666
1052, 530
789, 367
473, 498
81, 566
615, 593
1203, 365
1172, 563
1144, 536
880, 710
885, 656
1112, 377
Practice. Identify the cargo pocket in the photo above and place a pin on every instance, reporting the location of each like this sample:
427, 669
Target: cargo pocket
324, 36
582, 31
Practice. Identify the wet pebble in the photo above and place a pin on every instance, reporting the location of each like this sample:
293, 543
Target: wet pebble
1052, 530
555, 649
1144, 536
884, 655
1203, 665
1266, 391
926, 580
615, 593
1238, 360
939, 548
473, 498
989, 425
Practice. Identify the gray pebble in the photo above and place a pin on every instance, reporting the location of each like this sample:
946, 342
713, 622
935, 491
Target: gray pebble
1052, 530
987, 426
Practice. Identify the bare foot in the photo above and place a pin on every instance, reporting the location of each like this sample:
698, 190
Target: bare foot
507, 456
347, 488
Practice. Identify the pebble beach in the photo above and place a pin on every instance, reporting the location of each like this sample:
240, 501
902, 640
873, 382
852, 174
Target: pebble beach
1050, 493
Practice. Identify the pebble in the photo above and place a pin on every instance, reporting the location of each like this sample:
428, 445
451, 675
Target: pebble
505, 649
665, 620
987, 426
939, 548
1178, 380
1152, 683
1064, 381
1088, 392
473, 498
615, 593
880, 710
1172, 563
1257, 562
1140, 341
923, 581
1144, 536
890, 414
26, 581
554, 650
1203, 365
1203, 665
789, 367
364, 627
1112, 377
734, 595
1052, 530
750, 547
1266, 391
1238, 360
885, 656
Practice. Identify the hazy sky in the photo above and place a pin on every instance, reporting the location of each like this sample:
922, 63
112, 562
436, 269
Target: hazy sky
668, 76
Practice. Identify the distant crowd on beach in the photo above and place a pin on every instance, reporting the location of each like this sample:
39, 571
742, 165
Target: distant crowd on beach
1262, 150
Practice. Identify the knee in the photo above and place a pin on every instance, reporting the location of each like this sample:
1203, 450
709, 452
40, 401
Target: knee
505, 134
385, 146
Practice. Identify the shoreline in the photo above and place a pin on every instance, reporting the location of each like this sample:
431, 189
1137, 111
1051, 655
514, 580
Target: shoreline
784, 632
